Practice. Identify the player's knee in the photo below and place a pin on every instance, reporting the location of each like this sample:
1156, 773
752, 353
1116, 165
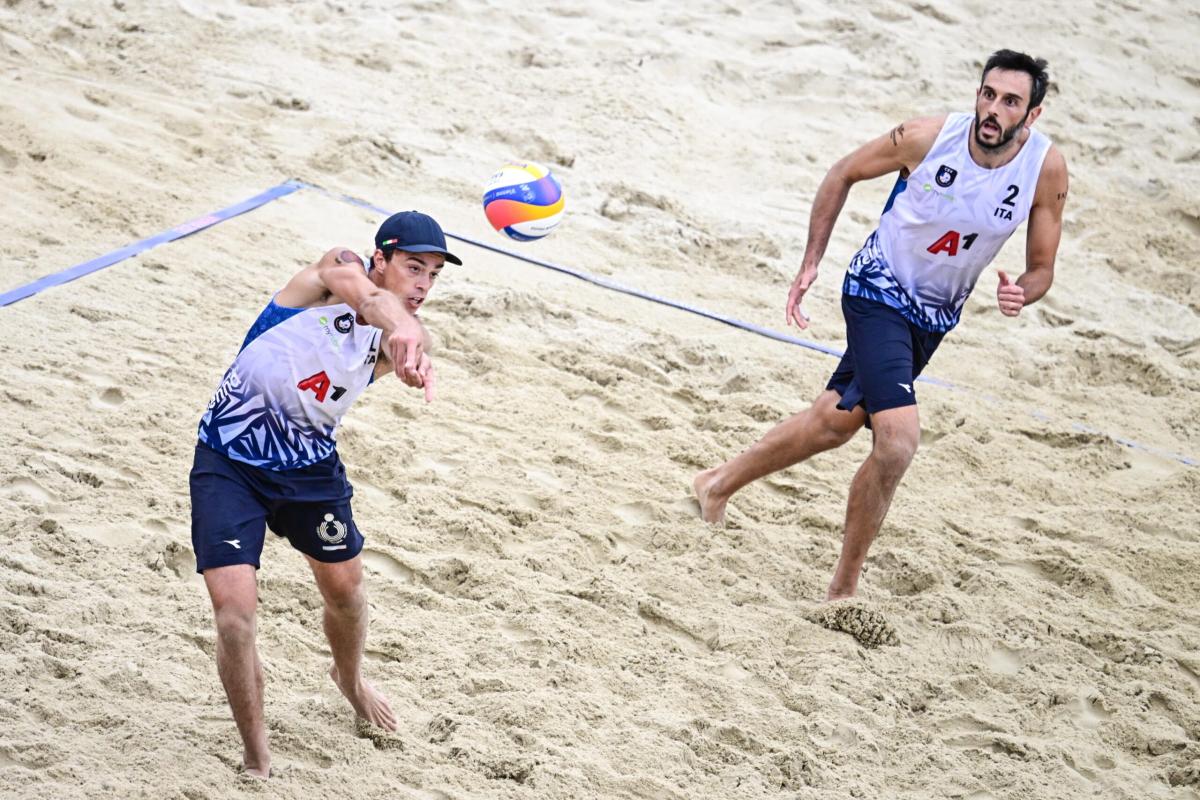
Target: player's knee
235, 623
344, 597
838, 427
841, 432
895, 449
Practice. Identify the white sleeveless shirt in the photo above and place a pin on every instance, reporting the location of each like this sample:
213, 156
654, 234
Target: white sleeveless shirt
298, 372
943, 225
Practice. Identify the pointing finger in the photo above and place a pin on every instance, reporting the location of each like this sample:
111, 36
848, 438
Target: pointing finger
430, 382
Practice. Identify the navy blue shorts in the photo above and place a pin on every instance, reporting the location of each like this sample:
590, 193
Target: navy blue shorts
884, 355
233, 503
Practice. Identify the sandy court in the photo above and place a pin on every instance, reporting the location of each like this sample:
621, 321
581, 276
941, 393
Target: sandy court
549, 617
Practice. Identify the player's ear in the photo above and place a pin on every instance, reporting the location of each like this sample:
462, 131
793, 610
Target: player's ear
1032, 117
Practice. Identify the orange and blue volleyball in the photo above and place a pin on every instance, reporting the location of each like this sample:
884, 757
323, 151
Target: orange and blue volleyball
523, 201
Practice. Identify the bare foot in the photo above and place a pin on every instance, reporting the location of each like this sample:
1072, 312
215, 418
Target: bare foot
256, 761
367, 701
712, 507
839, 593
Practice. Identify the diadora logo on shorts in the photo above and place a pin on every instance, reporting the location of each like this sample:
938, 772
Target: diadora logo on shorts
906, 387
236, 544
332, 531
945, 176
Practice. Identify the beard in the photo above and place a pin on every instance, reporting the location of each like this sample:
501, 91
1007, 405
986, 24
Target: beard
1006, 136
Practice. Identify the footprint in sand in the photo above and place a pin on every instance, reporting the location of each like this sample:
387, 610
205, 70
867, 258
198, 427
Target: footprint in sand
109, 398
180, 560
636, 513
660, 621
28, 488
389, 567
867, 625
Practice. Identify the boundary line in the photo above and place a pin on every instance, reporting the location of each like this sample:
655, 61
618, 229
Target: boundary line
178, 232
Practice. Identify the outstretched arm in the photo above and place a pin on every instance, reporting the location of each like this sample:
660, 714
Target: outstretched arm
338, 277
899, 150
1042, 238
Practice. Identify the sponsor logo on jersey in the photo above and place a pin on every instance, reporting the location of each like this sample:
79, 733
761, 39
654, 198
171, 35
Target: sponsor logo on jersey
330, 336
944, 195
231, 382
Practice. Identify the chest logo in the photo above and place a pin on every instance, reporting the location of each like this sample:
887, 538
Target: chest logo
320, 384
344, 323
945, 176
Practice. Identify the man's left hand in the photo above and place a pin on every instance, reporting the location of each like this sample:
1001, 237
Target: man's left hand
1009, 296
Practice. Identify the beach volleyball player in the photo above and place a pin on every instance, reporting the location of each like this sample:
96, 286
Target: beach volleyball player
266, 454
966, 183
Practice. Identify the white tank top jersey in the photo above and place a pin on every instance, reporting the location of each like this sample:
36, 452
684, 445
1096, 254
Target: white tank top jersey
298, 372
943, 225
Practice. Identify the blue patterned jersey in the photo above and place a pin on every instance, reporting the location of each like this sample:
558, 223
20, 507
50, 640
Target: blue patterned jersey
297, 373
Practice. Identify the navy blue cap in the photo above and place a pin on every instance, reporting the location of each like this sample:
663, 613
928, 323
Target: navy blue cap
414, 232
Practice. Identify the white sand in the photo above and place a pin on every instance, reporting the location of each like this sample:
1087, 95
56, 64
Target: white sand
549, 617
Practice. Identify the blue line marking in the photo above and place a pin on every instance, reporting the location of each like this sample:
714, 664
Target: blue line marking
178, 232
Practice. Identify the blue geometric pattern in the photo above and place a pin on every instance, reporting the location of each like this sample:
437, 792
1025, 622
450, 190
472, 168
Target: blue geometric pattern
870, 278
261, 416
243, 423
271, 316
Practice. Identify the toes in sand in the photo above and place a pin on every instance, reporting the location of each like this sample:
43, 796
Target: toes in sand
369, 703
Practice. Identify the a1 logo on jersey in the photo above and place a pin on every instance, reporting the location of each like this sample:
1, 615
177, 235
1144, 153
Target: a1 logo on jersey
320, 385
945, 176
949, 242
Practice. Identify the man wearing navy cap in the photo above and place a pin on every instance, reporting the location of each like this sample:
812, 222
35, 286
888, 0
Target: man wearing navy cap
266, 454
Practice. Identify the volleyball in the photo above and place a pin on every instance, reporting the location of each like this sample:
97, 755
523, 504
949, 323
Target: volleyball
523, 201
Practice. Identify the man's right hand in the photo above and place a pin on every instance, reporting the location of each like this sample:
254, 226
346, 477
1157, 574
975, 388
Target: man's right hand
793, 312
405, 347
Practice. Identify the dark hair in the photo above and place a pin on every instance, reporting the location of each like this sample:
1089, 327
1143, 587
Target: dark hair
1035, 68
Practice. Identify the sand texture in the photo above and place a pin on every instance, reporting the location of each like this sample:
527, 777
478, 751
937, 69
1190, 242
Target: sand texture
550, 618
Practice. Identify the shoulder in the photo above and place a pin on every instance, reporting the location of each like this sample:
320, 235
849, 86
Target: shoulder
900, 149
342, 255
309, 286
918, 134
913, 139
1054, 165
1053, 178
927, 127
